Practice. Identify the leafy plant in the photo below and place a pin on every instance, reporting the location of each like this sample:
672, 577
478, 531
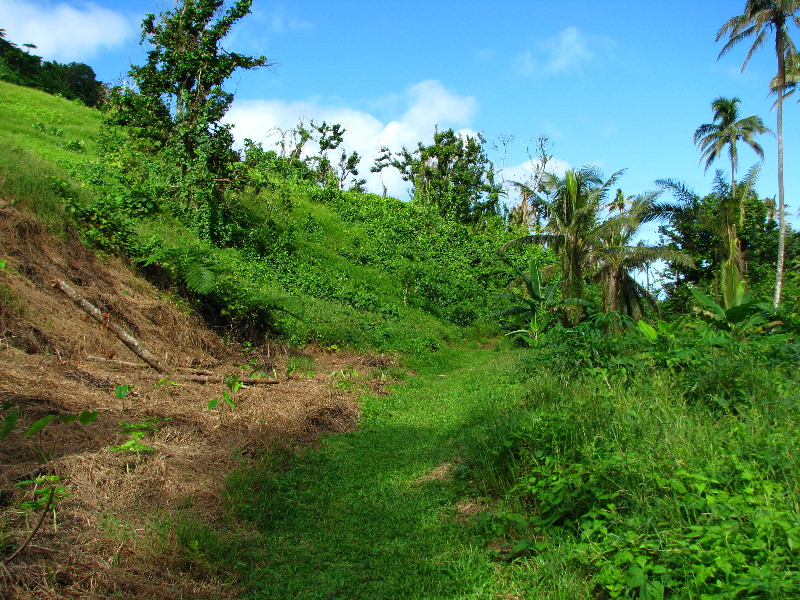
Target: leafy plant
744, 316
45, 494
136, 432
300, 364
232, 383
122, 391
532, 313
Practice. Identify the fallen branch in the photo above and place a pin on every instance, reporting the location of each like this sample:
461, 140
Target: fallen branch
103, 319
244, 380
124, 363
178, 378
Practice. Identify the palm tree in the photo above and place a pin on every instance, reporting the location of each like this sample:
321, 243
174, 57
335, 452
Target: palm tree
727, 129
727, 222
572, 206
616, 257
619, 202
760, 18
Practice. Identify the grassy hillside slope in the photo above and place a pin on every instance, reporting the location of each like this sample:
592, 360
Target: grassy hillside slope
292, 259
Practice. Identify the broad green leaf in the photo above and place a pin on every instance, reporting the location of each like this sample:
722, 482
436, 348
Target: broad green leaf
715, 308
649, 332
8, 423
212, 403
232, 382
666, 328
122, 390
88, 416
39, 425
132, 446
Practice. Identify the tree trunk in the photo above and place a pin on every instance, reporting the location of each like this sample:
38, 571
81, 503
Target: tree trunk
781, 208
102, 318
780, 44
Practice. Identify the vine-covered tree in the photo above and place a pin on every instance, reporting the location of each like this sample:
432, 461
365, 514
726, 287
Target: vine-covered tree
698, 226
713, 138
453, 174
178, 102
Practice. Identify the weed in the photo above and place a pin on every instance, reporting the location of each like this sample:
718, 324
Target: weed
299, 363
136, 432
233, 384
45, 493
345, 378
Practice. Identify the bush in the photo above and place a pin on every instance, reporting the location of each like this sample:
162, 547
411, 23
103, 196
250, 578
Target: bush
665, 473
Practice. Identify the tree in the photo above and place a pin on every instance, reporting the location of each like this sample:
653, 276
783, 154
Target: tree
701, 226
528, 212
179, 101
759, 19
453, 174
712, 138
572, 205
726, 130
75, 81
617, 256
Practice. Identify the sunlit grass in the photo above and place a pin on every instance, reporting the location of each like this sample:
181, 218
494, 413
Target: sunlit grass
379, 513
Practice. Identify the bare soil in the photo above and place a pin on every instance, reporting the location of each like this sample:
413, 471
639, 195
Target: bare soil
111, 535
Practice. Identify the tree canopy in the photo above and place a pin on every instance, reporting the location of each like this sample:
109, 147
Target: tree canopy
179, 100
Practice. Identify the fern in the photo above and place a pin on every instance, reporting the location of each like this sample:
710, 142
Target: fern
199, 275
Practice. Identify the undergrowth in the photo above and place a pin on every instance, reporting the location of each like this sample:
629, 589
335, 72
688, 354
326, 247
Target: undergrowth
664, 466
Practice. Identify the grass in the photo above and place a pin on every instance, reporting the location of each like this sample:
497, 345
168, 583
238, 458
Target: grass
47, 124
477, 479
375, 514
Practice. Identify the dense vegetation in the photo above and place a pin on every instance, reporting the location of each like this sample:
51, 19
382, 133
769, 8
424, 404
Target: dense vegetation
75, 81
645, 443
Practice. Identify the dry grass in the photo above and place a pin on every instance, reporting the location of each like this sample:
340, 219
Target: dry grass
113, 534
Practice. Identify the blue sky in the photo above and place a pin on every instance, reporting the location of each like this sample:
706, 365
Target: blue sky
618, 84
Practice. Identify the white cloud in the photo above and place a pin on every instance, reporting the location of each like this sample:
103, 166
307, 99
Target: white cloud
64, 31
280, 24
567, 51
425, 105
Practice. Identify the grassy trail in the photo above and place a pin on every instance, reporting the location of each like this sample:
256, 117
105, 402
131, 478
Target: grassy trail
367, 516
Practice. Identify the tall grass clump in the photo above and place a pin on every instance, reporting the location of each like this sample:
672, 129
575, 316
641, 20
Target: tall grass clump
660, 461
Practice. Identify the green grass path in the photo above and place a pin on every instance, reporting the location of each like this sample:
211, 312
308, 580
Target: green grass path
358, 518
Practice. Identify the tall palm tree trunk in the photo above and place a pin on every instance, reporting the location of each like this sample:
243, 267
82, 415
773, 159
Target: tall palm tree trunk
781, 205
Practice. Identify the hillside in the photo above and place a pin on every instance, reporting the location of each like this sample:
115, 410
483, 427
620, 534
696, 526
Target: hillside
118, 514
56, 360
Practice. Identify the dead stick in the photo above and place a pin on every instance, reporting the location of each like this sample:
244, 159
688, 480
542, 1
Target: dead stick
124, 363
123, 335
245, 380
35, 529
178, 378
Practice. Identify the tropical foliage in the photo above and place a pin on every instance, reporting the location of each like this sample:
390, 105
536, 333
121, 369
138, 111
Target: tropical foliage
765, 21
645, 446
174, 114
453, 173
